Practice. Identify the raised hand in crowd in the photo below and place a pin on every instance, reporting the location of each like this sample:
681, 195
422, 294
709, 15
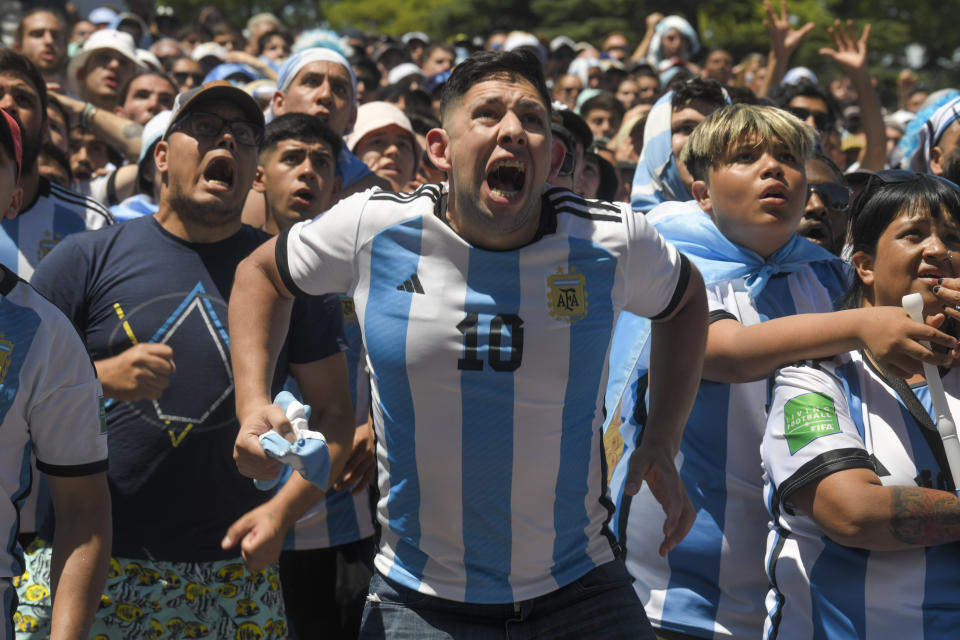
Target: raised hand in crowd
850, 54
784, 40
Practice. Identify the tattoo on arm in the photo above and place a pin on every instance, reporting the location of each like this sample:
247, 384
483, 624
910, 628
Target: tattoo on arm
924, 517
133, 130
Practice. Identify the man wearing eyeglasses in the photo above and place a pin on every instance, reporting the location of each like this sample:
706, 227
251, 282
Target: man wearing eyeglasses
824, 219
149, 297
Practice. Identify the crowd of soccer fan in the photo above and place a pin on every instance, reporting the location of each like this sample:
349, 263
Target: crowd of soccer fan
484, 337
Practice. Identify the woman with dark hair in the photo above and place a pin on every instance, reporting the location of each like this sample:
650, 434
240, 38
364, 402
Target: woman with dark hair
865, 514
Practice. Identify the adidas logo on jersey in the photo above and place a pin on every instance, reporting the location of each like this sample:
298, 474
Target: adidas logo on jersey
411, 286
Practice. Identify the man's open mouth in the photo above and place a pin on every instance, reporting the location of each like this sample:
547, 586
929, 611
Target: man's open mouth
304, 195
507, 178
219, 172
814, 230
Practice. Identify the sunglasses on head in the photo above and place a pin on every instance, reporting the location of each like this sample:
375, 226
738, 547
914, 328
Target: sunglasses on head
822, 120
899, 176
834, 196
880, 179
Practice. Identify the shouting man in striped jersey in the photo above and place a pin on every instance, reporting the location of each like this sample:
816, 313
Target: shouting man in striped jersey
487, 305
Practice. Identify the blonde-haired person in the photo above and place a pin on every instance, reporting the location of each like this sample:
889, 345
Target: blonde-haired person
771, 297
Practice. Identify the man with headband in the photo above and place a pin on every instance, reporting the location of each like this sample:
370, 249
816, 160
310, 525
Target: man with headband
937, 151
320, 82
46, 377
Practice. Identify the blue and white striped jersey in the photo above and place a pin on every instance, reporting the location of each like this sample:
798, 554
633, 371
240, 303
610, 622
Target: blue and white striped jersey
487, 372
50, 406
57, 213
712, 584
829, 416
340, 518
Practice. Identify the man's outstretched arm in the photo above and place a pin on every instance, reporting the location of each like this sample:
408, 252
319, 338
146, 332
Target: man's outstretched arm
259, 313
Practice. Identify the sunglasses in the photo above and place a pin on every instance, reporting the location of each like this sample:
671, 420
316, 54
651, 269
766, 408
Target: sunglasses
822, 120
181, 77
207, 125
899, 176
880, 179
834, 196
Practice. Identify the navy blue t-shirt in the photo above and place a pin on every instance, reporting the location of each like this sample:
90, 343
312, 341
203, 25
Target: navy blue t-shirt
174, 484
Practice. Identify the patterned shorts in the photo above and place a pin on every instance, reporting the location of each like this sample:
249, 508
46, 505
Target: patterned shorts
152, 600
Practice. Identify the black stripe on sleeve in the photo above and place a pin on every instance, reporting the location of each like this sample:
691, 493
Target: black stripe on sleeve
283, 266
74, 470
589, 215
562, 196
8, 280
822, 466
682, 283
720, 314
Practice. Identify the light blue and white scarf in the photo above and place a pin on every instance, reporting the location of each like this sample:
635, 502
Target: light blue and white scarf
694, 233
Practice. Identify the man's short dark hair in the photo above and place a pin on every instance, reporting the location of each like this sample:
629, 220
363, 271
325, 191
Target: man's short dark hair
578, 127
125, 88
641, 69
743, 95
783, 94
194, 29
299, 126
56, 104
438, 45
13, 62
603, 100
18, 36
698, 90
226, 29
487, 65
56, 154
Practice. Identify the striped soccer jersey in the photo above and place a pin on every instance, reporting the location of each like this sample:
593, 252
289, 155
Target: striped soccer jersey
487, 372
340, 518
829, 416
712, 584
57, 213
50, 402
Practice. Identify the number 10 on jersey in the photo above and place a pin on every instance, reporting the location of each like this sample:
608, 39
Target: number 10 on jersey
503, 328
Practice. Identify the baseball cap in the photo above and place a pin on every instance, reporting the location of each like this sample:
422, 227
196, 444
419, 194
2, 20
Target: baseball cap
10, 139
219, 91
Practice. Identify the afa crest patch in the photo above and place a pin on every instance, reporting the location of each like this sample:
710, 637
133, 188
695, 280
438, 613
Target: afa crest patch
808, 417
567, 295
47, 243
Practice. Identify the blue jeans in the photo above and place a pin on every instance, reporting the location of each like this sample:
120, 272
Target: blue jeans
601, 604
